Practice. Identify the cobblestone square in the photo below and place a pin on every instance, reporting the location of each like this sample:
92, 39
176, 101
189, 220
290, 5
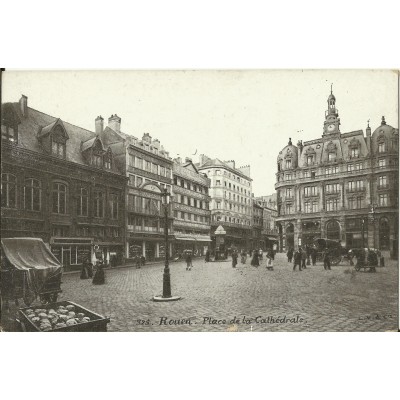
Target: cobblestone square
217, 297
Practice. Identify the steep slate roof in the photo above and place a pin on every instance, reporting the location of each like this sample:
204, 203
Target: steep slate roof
36, 121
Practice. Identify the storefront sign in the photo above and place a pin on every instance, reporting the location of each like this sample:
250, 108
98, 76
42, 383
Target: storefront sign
57, 252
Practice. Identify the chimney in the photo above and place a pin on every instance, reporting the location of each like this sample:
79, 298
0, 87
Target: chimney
99, 125
368, 138
300, 146
178, 160
23, 105
203, 159
114, 123
187, 159
231, 163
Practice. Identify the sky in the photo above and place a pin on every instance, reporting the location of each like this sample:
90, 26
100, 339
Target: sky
246, 115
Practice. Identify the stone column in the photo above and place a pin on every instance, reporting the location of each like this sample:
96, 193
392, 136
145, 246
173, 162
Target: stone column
157, 249
144, 248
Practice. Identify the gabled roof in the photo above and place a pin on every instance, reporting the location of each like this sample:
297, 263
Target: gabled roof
190, 165
90, 143
36, 121
44, 131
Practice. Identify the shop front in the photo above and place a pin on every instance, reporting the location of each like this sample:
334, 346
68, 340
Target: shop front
152, 248
198, 244
72, 252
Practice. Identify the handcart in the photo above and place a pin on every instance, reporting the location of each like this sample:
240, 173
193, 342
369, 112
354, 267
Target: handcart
28, 271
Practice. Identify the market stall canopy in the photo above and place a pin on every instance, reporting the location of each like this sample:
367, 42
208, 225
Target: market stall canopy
31, 255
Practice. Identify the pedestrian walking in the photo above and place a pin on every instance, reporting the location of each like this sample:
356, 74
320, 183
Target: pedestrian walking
303, 258
137, 261
308, 251
207, 257
84, 270
290, 254
327, 259
243, 257
260, 254
254, 261
297, 260
189, 261
314, 256
99, 277
270, 259
234, 258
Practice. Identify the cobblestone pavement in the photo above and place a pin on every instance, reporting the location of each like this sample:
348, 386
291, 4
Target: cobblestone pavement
214, 294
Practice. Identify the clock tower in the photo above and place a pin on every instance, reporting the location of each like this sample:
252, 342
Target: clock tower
332, 120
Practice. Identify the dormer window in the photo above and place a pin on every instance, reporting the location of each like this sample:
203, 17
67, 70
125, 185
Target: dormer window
96, 160
108, 160
9, 133
354, 153
331, 156
58, 142
381, 147
310, 159
9, 123
288, 164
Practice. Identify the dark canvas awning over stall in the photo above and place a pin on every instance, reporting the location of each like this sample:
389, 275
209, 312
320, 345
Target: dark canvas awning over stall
31, 255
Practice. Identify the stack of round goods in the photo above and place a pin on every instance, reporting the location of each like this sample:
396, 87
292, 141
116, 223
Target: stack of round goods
50, 319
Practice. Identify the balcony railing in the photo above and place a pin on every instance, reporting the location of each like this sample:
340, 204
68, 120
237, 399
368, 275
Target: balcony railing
356, 189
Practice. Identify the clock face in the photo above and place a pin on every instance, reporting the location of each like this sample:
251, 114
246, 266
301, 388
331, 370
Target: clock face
331, 127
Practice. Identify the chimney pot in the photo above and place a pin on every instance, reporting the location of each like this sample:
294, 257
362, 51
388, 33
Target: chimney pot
23, 104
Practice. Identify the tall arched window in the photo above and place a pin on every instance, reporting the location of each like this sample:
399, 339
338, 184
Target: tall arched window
82, 202
8, 191
333, 230
98, 205
59, 193
32, 194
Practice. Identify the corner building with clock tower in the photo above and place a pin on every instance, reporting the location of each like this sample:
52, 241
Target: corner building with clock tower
341, 186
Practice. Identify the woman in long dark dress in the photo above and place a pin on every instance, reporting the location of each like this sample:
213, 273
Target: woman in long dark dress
99, 276
207, 258
254, 260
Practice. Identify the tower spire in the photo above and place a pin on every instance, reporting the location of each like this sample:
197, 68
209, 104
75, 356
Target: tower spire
331, 88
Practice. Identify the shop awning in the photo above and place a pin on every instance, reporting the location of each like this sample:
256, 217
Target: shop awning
190, 239
203, 239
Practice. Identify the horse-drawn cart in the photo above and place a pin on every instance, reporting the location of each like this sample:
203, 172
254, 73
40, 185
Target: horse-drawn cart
367, 259
28, 270
335, 250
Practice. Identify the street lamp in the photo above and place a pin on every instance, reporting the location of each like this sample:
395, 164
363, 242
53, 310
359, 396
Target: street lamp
362, 231
166, 296
372, 214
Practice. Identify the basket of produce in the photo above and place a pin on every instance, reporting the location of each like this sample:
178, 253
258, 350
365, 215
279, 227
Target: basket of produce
64, 316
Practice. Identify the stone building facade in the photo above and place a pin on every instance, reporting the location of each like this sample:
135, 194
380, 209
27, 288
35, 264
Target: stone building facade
231, 200
269, 214
148, 167
342, 186
60, 183
257, 227
191, 209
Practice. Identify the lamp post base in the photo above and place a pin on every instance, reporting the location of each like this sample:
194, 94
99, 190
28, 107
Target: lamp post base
160, 298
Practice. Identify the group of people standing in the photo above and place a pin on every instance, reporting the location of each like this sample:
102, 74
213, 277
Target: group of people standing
256, 257
302, 256
98, 277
